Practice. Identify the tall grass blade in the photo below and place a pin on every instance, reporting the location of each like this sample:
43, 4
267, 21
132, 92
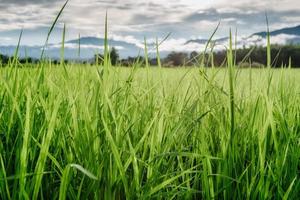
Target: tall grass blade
25, 147
79, 46
231, 87
158, 54
62, 50
146, 53
268, 43
51, 29
44, 149
16, 55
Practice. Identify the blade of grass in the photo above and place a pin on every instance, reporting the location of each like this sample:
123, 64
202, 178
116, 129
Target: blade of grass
44, 149
24, 150
51, 29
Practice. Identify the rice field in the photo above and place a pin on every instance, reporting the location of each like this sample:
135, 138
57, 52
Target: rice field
101, 132
80, 132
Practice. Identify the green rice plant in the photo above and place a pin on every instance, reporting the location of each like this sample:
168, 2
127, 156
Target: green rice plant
16, 55
102, 132
231, 87
146, 53
158, 54
79, 46
40, 164
24, 150
147, 144
51, 29
62, 50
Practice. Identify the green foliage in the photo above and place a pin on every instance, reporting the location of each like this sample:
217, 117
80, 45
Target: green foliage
95, 132
279, 56
114, 56
176, 59
156, 137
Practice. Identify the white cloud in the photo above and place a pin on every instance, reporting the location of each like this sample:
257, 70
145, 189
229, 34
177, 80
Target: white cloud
182, 45
282, 39
128, 38
256, 40
130, 20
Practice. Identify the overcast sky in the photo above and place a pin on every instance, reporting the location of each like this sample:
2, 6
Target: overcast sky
131, 20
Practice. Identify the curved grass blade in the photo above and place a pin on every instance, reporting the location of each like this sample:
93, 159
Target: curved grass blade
51, 28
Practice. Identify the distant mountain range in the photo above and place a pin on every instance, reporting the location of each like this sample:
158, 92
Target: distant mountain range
288, 31
290, 35
91, 45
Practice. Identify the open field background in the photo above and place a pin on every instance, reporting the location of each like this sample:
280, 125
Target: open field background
142, 133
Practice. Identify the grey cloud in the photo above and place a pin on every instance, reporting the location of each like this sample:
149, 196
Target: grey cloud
215, 15
142, 17
124, 7
246, 15
24, 2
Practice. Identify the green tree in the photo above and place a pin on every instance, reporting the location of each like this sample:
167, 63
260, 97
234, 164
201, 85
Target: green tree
176, 59
98, 59
114, 56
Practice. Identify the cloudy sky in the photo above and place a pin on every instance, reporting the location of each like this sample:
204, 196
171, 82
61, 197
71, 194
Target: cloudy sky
131, 20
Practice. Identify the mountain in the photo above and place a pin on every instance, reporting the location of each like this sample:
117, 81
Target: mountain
92, 45
288, 31
100, 41
89, 46
290, 35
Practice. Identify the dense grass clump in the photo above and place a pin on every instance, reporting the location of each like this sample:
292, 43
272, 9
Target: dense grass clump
75, 132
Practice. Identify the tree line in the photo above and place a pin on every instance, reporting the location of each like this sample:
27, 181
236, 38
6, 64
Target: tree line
282, 56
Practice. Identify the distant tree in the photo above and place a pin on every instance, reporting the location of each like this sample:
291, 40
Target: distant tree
26, 60
55, 62
129, 61
194, 55
98, 59
176, 59
114, 56
4, 59
153, 62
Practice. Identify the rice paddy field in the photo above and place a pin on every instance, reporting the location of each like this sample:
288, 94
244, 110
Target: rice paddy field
74, 131
81, 132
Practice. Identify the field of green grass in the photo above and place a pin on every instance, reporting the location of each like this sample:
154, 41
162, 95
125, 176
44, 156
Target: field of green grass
91, 132
149, 133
